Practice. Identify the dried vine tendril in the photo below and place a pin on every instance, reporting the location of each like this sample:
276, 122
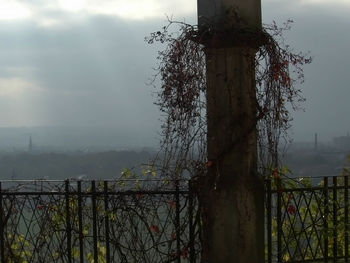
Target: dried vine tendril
181, 97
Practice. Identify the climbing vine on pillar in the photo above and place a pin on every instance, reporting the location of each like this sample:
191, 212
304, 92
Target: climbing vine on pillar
181, 89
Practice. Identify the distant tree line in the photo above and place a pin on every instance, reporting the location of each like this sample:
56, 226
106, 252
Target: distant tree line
104, 165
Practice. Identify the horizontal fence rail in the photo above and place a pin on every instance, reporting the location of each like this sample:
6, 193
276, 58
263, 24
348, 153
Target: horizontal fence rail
98, 221
307, 221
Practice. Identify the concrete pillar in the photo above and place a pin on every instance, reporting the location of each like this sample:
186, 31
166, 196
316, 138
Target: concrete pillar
232, 193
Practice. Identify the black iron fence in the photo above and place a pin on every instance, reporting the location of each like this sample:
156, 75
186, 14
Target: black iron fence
307, 221
158, 221
98, 221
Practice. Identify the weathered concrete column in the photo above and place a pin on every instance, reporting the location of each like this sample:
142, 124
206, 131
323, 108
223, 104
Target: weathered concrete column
232, 193
214, 11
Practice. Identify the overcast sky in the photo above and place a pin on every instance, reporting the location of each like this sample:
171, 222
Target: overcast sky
85, 62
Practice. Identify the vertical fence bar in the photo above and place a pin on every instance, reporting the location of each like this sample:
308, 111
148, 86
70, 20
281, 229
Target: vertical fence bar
346, 217
80, 219
190, 223
2, 226
279, 226
105, 192
68, 225
94, 219
269, 221
335, 220
177, 221
325, 222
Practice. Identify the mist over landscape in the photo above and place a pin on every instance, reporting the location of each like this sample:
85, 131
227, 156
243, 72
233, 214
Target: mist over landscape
74, 77
130, 133
75, 138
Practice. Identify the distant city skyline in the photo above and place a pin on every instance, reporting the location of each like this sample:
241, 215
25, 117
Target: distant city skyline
46, 139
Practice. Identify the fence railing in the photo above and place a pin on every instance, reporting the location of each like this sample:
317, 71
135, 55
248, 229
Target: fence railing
307, 222
158, 221
98, 221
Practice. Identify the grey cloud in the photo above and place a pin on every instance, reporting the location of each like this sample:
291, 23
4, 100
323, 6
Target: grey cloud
94, 68
93, 72
322, 30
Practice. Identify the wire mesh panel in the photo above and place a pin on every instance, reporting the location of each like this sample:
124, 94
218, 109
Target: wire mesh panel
109, 221
31, 229
307, 222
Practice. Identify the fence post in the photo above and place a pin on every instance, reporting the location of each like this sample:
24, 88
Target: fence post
68, 225
2, 226
94, 219
325, 216
346, 202
279, 226
190, 222
105, 191
177, 221
335, 220
269, 221
80, 219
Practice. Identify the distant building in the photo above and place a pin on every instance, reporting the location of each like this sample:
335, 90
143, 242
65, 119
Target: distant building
316, 143
342, 142
30, 145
